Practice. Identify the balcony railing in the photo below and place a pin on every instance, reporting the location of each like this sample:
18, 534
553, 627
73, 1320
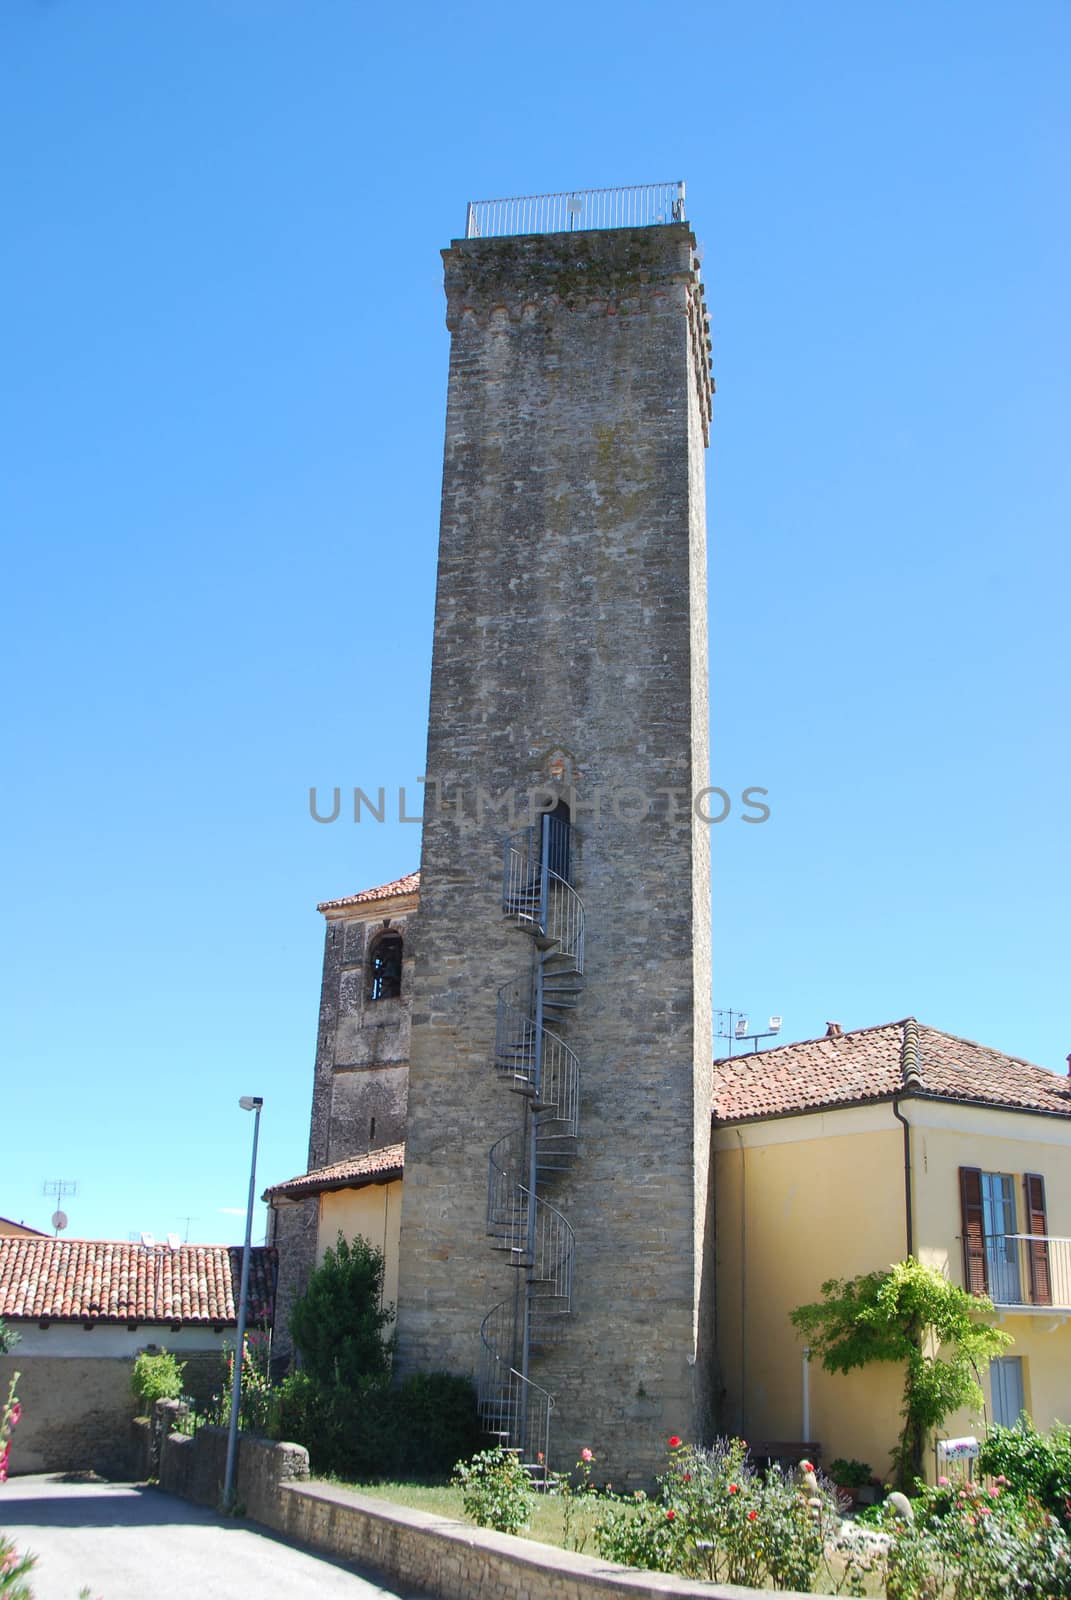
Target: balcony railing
644, 205
1028, 1269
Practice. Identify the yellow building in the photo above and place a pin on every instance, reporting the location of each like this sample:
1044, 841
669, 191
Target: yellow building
361, 1195
840, 1155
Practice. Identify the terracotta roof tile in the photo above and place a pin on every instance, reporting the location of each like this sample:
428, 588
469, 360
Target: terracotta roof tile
410, 884
378, 1166
81, 1280
874, 1064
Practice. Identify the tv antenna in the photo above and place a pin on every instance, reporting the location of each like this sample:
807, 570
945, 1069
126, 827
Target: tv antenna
58, 1188
736, 1026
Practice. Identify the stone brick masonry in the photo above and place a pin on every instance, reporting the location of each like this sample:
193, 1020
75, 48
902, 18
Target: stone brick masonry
414, 1551
571, 615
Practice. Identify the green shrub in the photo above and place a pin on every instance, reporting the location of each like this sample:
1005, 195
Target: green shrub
718, 1519
436, 1423
496, 1491
1033, 1463
418, 1430
850, 1473
976, 1543
157, 1377
258, 1403
15, 1569
338, 1323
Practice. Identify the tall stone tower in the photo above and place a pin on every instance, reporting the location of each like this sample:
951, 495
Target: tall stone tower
554, 1220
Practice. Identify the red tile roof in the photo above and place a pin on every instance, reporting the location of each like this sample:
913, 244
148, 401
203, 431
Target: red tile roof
378, 1166
869, 1064
410, 884
95, 1280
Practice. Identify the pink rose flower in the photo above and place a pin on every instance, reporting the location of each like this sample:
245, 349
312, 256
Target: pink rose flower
586, 1455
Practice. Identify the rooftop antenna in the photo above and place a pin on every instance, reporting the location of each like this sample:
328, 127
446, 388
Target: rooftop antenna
733, 1025
57, 1188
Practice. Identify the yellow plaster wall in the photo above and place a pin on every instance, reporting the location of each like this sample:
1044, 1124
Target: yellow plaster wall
1012, 1143
822, 1196
789, 1216
374, 1212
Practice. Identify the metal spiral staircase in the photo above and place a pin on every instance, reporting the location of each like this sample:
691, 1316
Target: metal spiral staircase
539, 1067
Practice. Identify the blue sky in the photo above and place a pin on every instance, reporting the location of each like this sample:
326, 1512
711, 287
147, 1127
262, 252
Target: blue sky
225, 360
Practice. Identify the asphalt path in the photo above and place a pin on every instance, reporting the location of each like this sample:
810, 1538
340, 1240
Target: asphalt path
127, 1542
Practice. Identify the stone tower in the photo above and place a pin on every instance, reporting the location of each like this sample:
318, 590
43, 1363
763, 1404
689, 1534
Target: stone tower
554, 1219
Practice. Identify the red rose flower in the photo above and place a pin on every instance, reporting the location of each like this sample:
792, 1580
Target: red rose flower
670, 1515
733, 1488
752, 1515
674, 1442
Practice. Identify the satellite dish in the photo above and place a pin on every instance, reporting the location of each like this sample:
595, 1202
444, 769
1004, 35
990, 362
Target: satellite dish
59, 1220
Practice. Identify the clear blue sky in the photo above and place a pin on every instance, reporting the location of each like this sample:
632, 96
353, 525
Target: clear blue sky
224, 359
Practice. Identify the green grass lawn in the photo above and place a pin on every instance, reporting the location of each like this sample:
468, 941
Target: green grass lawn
548, 1518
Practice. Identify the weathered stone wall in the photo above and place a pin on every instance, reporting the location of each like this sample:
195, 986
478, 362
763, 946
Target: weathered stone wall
360, 1082
293, 1229
194, 1466
371, 1045
77, 1410
76, 1413
570, 616
363, 1045
412, 1550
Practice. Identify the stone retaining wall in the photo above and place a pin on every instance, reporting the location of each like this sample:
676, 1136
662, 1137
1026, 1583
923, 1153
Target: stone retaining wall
413, 1550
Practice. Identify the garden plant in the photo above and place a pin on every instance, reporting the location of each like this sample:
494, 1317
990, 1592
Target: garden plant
913, 1315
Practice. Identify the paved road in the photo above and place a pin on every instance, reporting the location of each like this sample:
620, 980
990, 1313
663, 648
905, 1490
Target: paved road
131, 1543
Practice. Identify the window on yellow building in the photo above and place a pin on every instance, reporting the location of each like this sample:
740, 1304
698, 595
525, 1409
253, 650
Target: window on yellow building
999, 1260
1009, 1394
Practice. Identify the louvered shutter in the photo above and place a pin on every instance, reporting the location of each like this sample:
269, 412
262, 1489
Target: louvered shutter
1037, 1254
975, 1275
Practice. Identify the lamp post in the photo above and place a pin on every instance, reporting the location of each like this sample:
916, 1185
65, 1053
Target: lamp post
254, 1103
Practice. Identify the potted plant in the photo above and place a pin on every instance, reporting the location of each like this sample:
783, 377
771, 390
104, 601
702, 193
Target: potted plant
853, 1478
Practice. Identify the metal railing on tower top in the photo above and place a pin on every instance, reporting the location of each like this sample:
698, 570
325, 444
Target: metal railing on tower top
644, 205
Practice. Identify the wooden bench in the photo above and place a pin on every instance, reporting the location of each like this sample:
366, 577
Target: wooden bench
789, 1452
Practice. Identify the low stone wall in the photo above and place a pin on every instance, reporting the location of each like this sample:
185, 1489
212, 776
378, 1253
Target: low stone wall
413, 1550
193, 1466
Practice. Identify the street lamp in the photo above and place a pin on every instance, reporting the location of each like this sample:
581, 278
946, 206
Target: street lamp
254, 1103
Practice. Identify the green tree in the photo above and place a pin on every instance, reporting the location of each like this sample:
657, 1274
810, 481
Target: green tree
157, 1377
910, 1314
339, 1323
8, 1338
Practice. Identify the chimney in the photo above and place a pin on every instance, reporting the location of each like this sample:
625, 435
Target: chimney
833, 1030
1069, 1066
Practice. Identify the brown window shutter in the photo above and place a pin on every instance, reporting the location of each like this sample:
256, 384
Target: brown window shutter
975, 1275
1037, 1254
